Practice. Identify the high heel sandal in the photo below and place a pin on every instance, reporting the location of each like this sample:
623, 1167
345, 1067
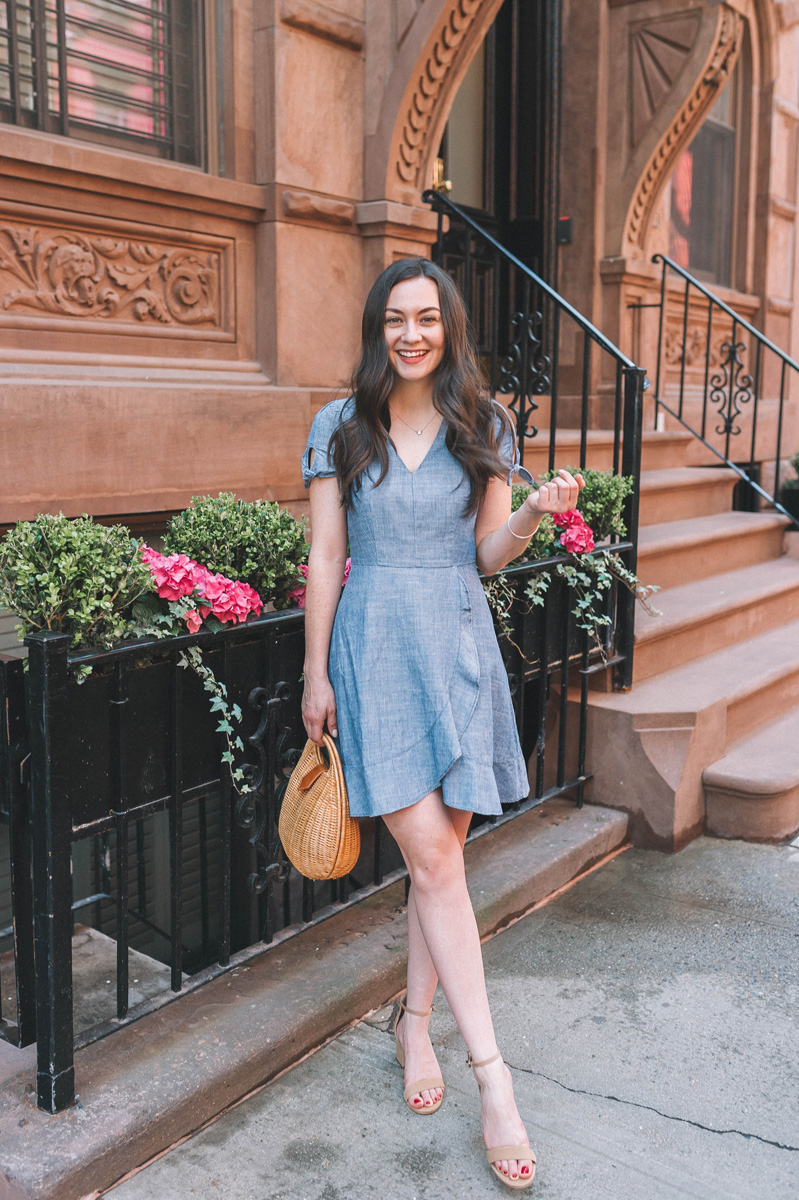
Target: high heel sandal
420, 1085
497, 1153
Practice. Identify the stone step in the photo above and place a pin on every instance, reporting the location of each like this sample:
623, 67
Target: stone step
649, 747
756, 681
701, 617
679, 552
679, 493
753, 791
659, 451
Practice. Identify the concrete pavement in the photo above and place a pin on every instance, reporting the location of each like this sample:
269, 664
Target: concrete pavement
649, 1015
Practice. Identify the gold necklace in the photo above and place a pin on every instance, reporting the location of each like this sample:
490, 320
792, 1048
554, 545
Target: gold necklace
418, 432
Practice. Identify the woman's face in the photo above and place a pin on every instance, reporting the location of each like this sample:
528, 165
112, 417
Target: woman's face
414, 333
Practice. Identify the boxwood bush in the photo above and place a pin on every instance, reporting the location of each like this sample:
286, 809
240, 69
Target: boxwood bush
258, 542
72, 576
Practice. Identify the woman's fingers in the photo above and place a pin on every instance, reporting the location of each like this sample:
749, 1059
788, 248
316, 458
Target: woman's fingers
559, 495
331, 721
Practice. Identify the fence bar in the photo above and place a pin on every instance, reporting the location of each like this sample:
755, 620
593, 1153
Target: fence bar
630, 465
684, 354
14, 767
779, 432
708, 337
553, 394
226, 830
48, 725
660, 343
176, 827
123, 914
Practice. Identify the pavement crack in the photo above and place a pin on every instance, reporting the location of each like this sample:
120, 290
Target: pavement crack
755, 1137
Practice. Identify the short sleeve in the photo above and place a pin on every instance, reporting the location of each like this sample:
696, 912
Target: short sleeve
324, 426
507, 444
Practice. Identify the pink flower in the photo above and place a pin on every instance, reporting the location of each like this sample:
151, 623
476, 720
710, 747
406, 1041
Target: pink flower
176, 576
577, 536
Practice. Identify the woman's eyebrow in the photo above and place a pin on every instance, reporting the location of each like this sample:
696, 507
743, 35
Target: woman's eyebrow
401, 311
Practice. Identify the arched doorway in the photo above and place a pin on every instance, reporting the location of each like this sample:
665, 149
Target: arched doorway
499, 153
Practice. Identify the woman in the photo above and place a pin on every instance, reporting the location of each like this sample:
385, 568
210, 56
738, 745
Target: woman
403, 666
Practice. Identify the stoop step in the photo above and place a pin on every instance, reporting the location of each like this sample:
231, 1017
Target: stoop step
681, 492
678, 552
660, 450
701, 617
753, 791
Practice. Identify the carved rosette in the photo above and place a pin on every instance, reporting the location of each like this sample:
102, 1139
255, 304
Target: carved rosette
717, 70
424, 102
70, 273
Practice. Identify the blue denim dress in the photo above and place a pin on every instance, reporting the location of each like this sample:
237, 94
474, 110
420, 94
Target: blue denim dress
421, 691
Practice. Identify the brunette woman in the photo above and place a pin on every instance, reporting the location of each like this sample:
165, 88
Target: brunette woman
403, 667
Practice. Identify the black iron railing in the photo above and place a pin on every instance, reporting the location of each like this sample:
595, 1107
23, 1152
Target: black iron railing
723, 380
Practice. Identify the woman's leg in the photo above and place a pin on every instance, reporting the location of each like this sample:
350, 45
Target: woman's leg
420, 1058
434, 857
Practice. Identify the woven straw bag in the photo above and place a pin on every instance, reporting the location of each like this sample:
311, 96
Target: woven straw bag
316, 830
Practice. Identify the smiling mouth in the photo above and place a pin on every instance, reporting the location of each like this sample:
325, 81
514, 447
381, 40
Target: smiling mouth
412, 355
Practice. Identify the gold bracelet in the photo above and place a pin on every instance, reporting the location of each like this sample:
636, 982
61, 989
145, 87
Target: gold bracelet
522, 537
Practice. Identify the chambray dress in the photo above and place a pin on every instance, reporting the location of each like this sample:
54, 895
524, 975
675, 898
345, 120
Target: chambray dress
421, 691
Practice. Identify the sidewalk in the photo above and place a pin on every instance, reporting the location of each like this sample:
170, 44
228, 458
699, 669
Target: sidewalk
649, 1015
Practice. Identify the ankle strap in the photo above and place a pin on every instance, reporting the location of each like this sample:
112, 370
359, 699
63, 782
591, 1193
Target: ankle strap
414, 1012
471, 1063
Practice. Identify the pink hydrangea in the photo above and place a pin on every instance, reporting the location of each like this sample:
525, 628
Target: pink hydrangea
577, 536
297, 594
176, 576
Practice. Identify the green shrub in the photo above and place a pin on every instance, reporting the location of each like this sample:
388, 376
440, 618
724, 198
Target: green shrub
793, 484
259, 542
71, 576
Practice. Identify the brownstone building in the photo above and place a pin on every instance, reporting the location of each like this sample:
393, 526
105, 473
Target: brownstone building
195, 195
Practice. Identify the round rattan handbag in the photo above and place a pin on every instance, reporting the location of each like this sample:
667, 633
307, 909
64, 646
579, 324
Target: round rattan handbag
318, 834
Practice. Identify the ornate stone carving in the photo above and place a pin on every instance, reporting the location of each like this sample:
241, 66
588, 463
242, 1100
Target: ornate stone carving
419, 117
658, 53
722, 60
695, 349
73, 274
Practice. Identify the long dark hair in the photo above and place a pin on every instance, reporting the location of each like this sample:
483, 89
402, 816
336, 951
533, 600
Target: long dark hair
459, 391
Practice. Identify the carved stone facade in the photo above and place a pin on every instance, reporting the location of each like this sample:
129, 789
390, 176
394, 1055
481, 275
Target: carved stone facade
96, 276
177, 328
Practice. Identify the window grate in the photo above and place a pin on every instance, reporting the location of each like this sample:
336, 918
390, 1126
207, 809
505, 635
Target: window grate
123, 72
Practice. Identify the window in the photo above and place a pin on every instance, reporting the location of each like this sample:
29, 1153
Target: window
126, 73
703, 194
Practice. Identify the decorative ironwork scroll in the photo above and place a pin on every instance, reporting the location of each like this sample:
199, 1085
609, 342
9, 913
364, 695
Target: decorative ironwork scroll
731, 388
524, 372
257, 809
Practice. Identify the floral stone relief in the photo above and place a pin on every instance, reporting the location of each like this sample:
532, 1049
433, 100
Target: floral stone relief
71, 274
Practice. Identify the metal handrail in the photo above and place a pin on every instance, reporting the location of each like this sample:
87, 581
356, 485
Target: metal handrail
439, 202
732, 379
700, 287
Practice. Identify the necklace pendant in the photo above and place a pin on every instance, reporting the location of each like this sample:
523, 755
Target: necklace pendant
419, 432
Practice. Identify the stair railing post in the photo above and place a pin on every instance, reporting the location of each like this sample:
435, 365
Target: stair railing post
630, 465
51, 825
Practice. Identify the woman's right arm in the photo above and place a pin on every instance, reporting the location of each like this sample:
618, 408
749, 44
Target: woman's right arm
326, 564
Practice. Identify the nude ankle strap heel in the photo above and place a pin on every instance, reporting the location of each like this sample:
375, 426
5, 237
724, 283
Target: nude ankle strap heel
497, 1153
419, 1085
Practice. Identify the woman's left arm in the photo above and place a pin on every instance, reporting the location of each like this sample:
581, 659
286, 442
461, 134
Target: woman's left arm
500, 536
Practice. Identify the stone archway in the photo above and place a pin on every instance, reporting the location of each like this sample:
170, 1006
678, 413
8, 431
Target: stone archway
434, 42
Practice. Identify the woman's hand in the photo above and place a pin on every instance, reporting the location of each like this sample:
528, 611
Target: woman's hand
318, 708
559, 495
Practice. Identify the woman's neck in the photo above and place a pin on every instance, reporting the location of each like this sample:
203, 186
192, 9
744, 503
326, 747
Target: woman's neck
411, 397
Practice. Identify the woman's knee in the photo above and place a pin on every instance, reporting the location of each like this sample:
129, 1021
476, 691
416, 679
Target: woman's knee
436, 866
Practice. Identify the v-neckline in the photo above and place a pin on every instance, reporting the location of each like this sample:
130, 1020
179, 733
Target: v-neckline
427, 455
